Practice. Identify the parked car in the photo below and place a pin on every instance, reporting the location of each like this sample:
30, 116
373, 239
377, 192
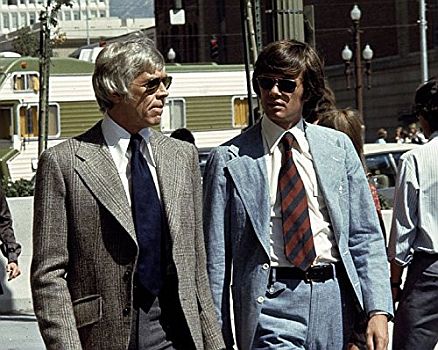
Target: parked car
382, 162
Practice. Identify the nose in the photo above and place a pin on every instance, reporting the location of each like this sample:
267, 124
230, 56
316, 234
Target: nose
162, 90
275, 91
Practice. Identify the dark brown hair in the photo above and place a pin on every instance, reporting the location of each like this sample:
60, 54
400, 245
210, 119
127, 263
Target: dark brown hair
293, 58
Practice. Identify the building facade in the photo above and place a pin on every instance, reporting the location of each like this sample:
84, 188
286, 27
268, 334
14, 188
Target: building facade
15, 14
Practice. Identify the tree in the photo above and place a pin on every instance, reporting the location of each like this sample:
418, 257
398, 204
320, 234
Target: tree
48, 20
26, 42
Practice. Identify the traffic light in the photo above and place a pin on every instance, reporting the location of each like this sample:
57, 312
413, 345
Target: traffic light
214, 48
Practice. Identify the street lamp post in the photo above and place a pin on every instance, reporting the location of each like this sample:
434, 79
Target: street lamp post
367, 55
171, 55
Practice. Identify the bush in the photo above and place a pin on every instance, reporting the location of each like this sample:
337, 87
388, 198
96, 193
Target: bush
19, 188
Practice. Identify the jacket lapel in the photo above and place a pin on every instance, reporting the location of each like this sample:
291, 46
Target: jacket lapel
169, 181
328, 160
97, 169
247, 168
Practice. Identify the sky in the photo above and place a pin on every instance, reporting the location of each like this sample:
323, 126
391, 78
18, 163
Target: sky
132, 8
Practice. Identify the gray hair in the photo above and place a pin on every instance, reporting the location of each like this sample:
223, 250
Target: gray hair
119, 63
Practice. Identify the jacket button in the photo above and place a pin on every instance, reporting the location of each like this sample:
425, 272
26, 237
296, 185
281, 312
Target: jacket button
127, 276
265, 266
260, 300
126, 311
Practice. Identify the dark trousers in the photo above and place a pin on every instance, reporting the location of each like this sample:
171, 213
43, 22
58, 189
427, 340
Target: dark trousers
158, 322
416, 318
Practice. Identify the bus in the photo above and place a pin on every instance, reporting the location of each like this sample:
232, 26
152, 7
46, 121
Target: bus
211, 100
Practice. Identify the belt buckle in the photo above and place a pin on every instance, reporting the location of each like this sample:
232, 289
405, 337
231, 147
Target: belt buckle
315, 274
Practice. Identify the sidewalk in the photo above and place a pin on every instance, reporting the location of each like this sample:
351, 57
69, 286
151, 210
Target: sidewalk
20, 332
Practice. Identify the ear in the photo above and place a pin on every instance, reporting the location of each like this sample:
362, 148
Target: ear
115, 98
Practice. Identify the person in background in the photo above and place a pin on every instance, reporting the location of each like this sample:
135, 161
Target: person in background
183, 134
289, 219
9, 246
413, 241
382, 135
400, 135
415, 135
119, 257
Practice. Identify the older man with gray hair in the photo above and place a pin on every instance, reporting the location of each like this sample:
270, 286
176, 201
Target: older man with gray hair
119, 259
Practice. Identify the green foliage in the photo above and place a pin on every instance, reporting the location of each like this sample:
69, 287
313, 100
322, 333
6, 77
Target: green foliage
19, 188
26, 43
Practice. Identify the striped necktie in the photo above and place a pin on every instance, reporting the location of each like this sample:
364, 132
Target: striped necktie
297, 233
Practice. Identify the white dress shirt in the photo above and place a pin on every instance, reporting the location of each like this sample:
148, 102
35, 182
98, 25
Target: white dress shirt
415, 214
325, 245
117, 139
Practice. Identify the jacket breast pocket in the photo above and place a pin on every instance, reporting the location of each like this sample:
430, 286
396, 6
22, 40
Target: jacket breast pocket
87, 310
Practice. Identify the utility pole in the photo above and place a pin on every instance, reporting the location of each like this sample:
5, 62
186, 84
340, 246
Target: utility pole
44, 70
423, 41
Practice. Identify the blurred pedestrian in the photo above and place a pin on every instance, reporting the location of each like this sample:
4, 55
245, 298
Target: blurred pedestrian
9, 246
119, 255
183, 134
382, 135
289, 219
400, 134
415, 135
413, 240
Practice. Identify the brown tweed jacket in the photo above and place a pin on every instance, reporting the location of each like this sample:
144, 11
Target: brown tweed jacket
85, 248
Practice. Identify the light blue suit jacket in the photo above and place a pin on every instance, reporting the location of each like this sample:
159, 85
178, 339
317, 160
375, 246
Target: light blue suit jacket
237, 218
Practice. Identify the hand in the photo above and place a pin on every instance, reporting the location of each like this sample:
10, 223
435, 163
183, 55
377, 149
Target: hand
12, 270
377, 333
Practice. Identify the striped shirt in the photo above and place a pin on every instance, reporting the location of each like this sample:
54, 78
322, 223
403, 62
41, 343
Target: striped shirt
415, 217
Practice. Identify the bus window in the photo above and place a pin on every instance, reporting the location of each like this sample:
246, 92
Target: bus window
5, 123
29, 121
174, 115
26, 82
241, 111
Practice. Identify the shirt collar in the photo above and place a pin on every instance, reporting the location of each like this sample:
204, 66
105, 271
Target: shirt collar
119, 138
273, 133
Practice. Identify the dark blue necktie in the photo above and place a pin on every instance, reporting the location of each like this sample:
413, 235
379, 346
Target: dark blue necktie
146, 211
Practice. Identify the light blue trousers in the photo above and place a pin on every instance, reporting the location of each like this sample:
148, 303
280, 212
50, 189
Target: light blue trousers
300, 315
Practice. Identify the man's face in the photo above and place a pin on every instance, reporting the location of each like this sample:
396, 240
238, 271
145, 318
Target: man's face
281, 103
146, 105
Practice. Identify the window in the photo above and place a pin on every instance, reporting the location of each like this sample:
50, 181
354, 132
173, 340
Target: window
241, 111
5, 123
93, 14
23, 20
174, 115
26, 82
12, 2
102, 13
14, 20
6, 23
76, 15
32, 18
67, 16
29, 120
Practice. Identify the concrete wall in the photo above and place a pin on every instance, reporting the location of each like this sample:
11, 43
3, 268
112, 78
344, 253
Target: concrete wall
17, 296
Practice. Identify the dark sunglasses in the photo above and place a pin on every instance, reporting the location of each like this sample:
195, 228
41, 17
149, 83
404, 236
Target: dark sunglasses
152, 85
285, 85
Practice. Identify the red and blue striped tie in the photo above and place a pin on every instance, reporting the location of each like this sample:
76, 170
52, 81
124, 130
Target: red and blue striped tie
297, 233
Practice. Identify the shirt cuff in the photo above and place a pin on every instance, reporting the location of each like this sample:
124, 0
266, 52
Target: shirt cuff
379, 312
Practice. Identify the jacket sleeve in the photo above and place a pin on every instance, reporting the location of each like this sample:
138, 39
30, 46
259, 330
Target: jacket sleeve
210, 326
51, 298
217, 238
9, 248
366, 241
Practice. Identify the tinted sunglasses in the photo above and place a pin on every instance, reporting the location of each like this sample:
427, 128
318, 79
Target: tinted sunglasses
285, 85
152, 85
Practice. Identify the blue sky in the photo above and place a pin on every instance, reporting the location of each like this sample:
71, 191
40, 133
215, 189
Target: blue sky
132, 8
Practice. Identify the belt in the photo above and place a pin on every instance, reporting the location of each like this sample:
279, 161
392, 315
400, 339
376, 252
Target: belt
318, 273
